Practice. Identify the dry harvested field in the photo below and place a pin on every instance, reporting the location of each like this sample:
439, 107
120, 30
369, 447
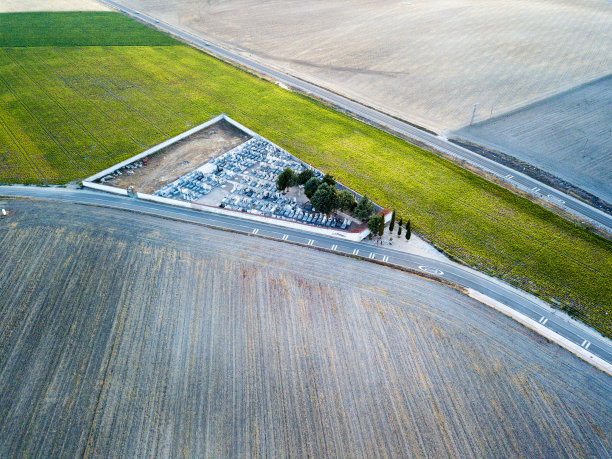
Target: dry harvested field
429, 62
579, 148
127, 335
17, 6
181, 157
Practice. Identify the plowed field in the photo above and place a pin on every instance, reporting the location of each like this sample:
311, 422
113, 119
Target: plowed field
128, 335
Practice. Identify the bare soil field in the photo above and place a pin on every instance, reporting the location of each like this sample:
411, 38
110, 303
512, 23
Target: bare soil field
128, 335
17, 6
578, 149
429, 62
182, 157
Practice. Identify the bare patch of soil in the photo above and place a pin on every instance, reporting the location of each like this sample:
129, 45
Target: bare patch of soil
182, 157
18, 6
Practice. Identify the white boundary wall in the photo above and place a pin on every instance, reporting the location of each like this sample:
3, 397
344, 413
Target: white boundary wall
89, 182
154, 149
109, 189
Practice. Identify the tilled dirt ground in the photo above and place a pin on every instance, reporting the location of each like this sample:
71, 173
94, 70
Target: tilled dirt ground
182, 157
124, 334
15, 6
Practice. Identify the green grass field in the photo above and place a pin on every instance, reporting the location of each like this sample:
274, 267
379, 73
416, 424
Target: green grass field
69, 108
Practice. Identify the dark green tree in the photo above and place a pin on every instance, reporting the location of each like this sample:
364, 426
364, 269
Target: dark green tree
329, 179
346, 200
399, 226
375, 223
311, 186
304, 176
381, 227
364, 208
408, 232
285, 179
325, 199
392, 222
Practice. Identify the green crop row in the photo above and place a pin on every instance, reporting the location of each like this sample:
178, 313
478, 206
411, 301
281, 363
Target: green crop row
76, 29
68, 112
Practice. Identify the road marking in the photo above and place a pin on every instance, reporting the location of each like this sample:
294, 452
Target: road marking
256, 230
310, 241
543, 320
334, 247
561, 201
535, 188
585, 344
430, 270
385, 258
372, 255
509, 176
285, 237
355, 251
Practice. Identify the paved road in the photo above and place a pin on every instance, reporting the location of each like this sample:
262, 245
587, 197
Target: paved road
511, 176
519, 301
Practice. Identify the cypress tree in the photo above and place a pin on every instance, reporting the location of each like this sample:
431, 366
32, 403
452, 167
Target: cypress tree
408, 230
392, 223
399, 226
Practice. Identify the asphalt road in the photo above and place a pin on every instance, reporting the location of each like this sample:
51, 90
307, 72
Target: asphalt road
521, 302
397, 127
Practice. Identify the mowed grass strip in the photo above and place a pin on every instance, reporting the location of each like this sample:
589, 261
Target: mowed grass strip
67, 112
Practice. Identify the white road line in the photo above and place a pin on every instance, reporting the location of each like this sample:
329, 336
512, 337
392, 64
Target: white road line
429, 270
256, 230
355, 251
509, 176
385, 258
334, 247
544, 321
587, 345
310, 241
372, 255
285, 237
554, 198
535, 188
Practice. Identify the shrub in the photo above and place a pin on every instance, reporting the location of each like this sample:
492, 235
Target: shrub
364, 209
329, 179
304, 176
325, 199
286, 179
310, 187
375, 224
346, 201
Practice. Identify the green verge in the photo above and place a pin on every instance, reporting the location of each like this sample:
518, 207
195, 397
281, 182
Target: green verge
69, 111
